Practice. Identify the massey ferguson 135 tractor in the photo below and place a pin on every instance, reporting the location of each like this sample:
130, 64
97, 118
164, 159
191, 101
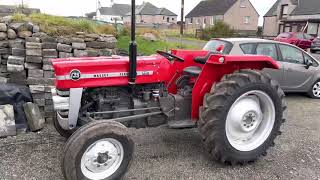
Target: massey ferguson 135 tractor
237, 108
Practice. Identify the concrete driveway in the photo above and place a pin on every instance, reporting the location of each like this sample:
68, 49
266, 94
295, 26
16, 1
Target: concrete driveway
168, 154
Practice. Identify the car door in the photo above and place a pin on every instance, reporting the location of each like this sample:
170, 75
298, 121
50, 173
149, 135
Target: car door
270, 49
296, 75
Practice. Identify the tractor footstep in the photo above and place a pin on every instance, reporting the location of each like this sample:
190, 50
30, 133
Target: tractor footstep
182, 124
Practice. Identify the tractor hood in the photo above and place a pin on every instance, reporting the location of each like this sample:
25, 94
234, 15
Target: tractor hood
108, 71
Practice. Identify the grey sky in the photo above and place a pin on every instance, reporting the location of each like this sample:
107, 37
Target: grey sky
80, 7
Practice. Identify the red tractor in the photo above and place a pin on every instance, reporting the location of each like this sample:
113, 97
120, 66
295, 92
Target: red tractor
237, 108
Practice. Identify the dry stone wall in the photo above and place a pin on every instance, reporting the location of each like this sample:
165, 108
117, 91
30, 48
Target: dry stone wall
26, 54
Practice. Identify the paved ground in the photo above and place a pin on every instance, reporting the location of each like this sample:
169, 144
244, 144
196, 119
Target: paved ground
168, 154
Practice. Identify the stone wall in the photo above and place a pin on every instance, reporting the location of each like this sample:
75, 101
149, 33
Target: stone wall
26, 53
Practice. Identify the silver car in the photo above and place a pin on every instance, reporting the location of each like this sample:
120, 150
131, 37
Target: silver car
299, 71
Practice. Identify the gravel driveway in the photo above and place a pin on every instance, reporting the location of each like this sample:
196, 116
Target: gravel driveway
168, 154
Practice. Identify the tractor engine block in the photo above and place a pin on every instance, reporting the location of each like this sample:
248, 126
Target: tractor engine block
115, 102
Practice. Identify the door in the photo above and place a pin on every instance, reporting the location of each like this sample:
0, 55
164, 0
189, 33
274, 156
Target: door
270, 49
296, 76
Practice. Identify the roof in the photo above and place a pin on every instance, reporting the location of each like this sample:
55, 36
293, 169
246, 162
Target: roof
245, 40
273, 10
307, 7
167, 12
211, 8
304, 7
91, 15
149, 9
116, 9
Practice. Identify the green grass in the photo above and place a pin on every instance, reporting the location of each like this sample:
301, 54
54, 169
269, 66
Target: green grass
148, 48
58, 26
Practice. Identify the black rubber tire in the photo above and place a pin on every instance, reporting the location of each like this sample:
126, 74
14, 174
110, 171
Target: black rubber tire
310, 92
216, 106
60, 130
84, 137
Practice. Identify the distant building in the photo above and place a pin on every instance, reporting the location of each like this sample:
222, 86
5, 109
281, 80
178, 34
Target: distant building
147, 13
239, 14
293, 16
6, 10
112, 14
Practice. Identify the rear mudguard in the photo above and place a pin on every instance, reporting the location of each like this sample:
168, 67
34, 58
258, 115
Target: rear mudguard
219, 65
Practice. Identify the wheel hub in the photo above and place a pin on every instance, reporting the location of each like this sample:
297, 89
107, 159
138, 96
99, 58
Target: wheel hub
102, 159
316, 90
250, 120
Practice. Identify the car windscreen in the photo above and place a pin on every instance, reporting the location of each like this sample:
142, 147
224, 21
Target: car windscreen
214, 44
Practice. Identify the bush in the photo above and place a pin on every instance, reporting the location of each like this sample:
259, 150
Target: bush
219, 30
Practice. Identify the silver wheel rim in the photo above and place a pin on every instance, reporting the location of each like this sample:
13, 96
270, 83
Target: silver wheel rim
316, 89
102, 159
250, 120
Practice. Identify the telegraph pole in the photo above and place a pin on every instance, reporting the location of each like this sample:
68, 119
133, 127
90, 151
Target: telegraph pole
22, 6
182, 17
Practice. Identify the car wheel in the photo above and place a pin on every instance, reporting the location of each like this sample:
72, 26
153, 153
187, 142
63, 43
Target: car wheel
314, 92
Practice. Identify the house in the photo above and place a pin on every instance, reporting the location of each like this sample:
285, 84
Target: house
112, 14
239, 14
147, 13
293, 16
6, 10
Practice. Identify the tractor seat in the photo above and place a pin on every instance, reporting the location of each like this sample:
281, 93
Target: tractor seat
192, 71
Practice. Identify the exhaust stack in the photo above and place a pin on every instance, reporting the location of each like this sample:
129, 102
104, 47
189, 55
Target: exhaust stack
133, 46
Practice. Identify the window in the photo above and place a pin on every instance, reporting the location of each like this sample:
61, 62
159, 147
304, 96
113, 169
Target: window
247, 48
198, 21
310, 59
291, 54
312, 28
242, 3
267, 50
300, 36
172, 19
284, 35
205, 21
212, 20
247, 19
168, 19
191, 20
284, 11
214, 44
164, 17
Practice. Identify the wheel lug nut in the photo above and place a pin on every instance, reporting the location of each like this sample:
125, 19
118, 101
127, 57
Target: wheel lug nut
98, 165
105, 164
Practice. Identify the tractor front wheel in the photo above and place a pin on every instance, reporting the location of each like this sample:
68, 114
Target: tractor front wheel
241, 116
99, 150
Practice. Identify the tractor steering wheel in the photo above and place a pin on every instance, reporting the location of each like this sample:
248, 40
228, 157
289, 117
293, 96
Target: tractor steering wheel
169, 56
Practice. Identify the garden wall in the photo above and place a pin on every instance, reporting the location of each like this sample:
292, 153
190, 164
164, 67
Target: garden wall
25, 55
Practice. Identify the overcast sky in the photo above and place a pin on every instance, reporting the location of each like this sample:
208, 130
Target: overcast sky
81, 7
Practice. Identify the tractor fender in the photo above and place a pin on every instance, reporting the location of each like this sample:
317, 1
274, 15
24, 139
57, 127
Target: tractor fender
219, 65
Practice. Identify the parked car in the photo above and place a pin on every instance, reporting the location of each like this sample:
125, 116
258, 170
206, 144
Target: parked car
299, 71
315, 46
302, 40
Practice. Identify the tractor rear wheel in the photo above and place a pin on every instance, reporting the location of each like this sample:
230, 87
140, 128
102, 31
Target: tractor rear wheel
241, 116
99, 150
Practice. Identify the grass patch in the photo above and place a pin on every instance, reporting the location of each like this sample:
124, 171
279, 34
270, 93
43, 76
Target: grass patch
58, 26
148, 48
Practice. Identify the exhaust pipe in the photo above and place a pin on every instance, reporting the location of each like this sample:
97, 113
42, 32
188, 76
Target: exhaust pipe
133, 46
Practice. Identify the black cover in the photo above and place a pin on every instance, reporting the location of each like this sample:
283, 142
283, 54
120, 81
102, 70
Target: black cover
17, 96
